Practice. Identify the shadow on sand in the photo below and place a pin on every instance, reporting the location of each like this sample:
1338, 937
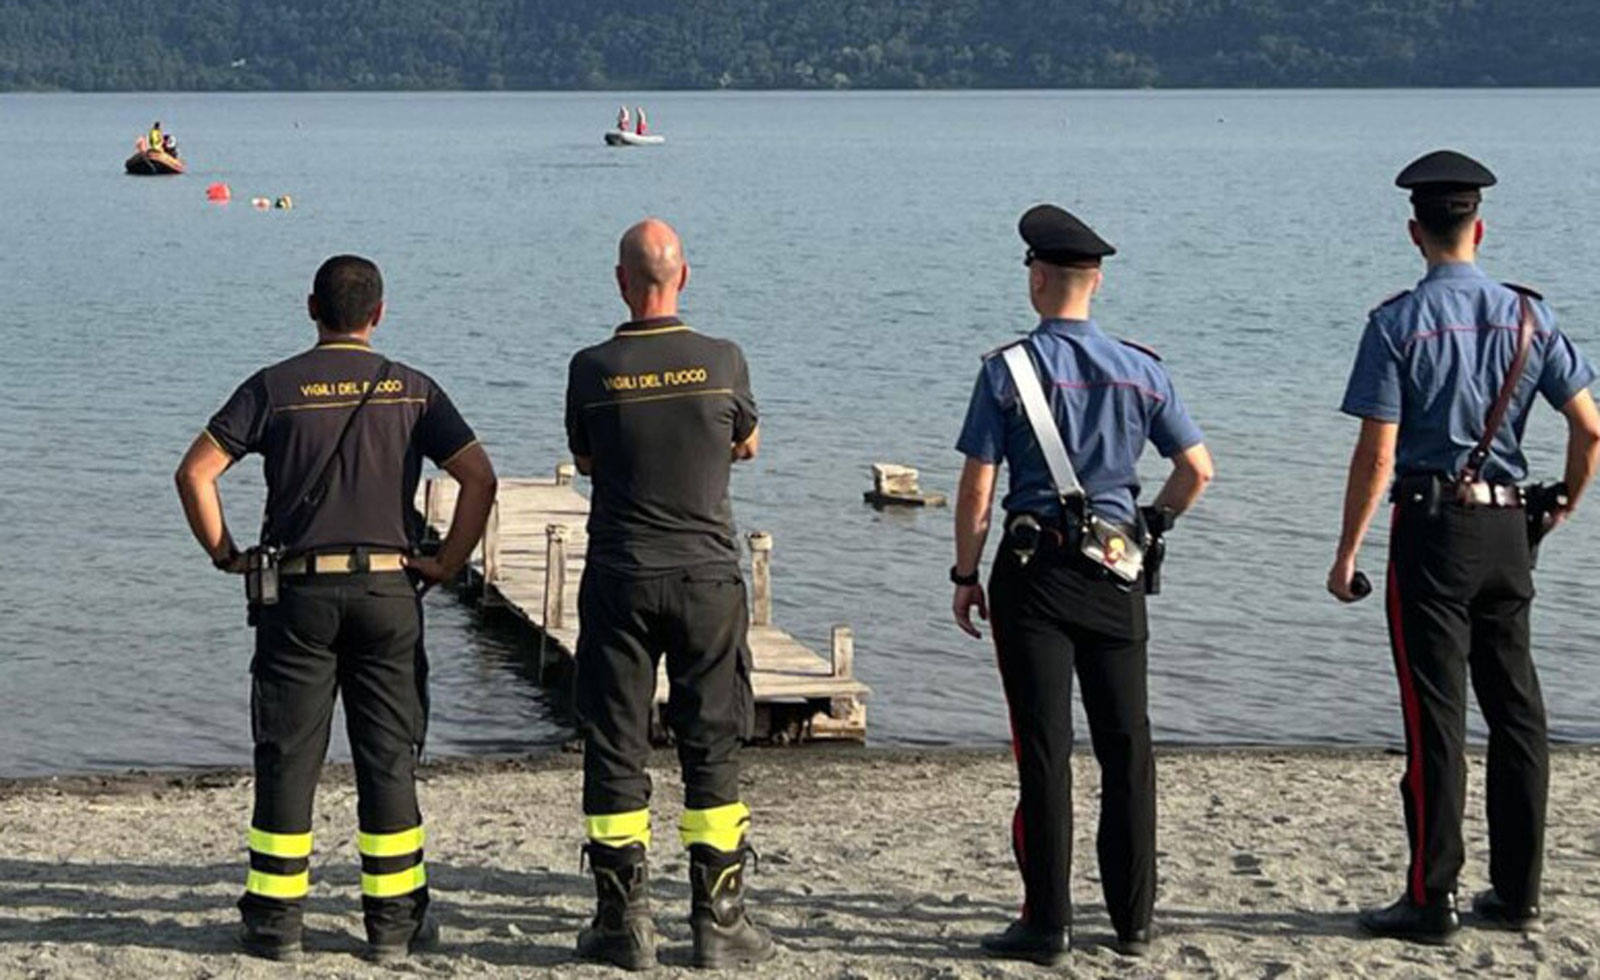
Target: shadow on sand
531, 918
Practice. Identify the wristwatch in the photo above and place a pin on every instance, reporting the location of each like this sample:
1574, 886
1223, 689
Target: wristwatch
970, 578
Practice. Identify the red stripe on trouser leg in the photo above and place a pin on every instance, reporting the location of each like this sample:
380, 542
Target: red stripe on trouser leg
1411, 709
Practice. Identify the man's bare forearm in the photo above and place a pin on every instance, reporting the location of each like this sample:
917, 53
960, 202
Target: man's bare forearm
1369, 477
1583, 444
974, 502
202, 507
1583, 455
467, 523
1192, 472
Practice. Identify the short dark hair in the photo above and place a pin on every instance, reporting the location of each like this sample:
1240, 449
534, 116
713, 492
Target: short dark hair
1442, 223
349, 290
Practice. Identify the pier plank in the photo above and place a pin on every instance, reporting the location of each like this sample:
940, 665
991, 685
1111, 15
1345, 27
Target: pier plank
799, 694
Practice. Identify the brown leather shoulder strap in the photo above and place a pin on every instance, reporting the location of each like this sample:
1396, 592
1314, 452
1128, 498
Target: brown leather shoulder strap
1502, 403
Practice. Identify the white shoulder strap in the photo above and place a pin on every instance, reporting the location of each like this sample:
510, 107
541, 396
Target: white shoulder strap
1031, 393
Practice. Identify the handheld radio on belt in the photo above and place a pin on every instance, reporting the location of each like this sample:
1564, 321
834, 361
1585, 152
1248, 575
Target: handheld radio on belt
262, 561
1105, 544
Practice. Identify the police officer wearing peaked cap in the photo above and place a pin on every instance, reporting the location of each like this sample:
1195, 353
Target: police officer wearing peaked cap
342, 431
1431, 364
1053, 611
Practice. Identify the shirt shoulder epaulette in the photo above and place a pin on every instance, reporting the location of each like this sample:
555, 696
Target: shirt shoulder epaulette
1141, 348
1004, 347
1527, 291
1389, 299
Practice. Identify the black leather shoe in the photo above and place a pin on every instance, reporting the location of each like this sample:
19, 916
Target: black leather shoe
1035, 944
426, 938
1136, 943
1434, 924
266, 947
1494, 912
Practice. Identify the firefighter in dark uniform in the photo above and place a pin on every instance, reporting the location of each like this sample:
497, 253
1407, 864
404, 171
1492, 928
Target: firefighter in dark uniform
656, 416
1431, 363
1052, 610
342, 432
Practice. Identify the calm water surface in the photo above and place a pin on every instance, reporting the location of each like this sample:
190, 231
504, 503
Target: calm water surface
861, 248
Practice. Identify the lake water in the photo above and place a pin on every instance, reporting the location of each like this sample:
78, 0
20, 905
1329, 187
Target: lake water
862, 249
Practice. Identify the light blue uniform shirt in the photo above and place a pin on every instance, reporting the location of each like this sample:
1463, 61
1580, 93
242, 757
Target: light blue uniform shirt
1434, 359
1108, 398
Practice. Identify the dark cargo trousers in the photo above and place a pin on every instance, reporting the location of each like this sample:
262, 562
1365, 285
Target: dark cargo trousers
1050, 618
360, 635
1460, 592
697, 619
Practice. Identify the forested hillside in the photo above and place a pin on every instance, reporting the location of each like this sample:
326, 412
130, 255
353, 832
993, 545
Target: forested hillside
561, 44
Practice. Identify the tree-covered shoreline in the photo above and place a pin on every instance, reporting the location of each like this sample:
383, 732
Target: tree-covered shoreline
289, 45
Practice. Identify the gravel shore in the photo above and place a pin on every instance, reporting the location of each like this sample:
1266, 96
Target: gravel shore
873, 864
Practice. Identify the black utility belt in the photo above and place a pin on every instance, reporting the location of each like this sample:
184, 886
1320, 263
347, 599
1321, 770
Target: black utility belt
266, 565
357, 561
1109, 549
1430, 491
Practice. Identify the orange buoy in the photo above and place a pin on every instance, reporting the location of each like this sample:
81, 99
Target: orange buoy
219, 192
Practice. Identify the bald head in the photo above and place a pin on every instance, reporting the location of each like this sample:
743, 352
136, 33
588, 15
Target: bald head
651, 270
651, 253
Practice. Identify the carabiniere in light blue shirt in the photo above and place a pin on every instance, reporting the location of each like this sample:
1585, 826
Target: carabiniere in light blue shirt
1108, 397
1434, 359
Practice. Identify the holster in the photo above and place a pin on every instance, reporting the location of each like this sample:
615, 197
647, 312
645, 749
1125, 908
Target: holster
1539, 501
1423, 491
260, 580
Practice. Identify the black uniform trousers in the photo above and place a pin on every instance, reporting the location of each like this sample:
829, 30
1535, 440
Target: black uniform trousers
698, 619
1460, 592
1051, 617
360, 634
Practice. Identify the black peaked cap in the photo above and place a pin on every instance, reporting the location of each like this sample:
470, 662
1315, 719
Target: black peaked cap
1446, 177
1059, 238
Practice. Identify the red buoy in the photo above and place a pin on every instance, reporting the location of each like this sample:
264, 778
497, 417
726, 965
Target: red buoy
219, 192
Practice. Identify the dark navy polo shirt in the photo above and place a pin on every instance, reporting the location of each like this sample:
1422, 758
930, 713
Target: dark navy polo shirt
1434, 360
292, 414
1108, 399
658, 409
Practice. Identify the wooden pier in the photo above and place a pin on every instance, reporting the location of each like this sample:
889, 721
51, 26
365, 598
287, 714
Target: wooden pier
532, 558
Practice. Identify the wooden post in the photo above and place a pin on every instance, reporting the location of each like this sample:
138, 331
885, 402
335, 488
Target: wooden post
565, 473
430, 503
761, 578
555, 574
844, 652
491, 551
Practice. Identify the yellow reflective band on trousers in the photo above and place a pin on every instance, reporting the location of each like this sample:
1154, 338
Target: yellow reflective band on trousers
290, 846
390, 845
721, 827
394, 885
278, 886
620, 829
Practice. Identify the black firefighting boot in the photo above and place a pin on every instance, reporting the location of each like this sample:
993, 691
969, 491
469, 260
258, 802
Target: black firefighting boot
269, 947
723, 934
1434, 923
622, 933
